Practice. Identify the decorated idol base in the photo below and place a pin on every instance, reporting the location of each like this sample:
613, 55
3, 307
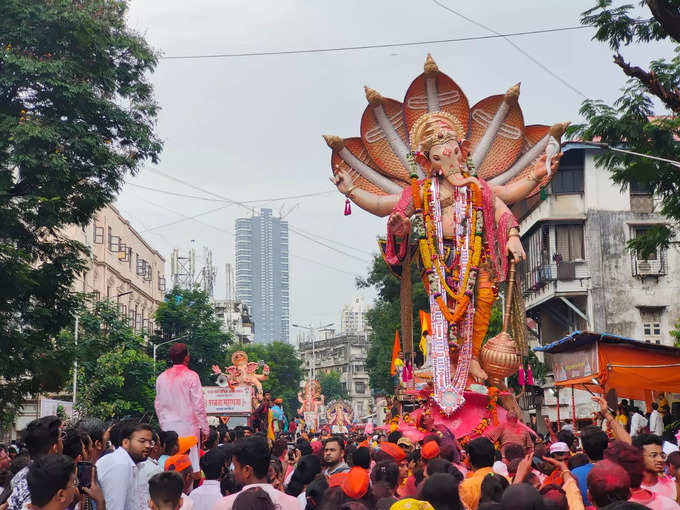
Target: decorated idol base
480, 412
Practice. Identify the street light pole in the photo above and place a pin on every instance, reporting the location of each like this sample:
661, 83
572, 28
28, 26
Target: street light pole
156, 346
75, 363
312, 368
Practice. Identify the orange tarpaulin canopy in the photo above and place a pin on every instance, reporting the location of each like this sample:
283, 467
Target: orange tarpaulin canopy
634, 369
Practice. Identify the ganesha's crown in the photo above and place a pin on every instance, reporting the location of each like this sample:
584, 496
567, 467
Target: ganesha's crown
435, 129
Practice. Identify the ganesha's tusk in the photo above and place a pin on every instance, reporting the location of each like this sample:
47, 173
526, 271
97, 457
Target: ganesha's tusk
485, 143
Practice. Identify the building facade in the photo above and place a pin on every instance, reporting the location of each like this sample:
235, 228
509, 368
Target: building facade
235, 318
579, 275
347, 355
353, 319
123, 267
262, 274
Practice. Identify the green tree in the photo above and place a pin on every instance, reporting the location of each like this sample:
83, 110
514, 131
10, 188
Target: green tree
285, 373
189, 314
331, 387
675, 333
124, 385
631, 120
111, 360
385, 318
76, 116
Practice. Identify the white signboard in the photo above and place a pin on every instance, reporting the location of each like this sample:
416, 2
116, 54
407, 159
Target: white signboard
48, 407
220, 400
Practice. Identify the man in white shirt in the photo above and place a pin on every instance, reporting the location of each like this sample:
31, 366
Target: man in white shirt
149, 467
212, 465
118, 472
637, 422
251, 458
656, 420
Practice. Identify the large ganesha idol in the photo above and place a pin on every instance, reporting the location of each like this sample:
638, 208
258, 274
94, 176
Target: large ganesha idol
310, 399
445, 173
242, 373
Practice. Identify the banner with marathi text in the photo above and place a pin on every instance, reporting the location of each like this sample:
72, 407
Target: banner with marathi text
220, 400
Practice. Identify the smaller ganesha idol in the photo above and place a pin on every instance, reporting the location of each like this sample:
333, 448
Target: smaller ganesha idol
242, 373
310, 399
339, 415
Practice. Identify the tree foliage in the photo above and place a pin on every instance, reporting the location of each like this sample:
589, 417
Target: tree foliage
76, 115
631, 120
190, 316
331, 387
285, 373
112, 359
385, 318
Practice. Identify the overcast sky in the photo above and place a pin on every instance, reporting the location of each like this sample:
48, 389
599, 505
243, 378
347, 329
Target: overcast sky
249, 128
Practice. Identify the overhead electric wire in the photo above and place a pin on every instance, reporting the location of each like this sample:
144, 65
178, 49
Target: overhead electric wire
518, 48
250, 209
277, 199
306, 259
295, 231
185, 219
369, 46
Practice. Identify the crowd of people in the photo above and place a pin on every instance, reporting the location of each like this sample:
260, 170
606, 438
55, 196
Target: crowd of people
128, 465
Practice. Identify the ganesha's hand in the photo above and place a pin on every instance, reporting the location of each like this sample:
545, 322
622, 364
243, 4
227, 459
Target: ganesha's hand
265, 370
514, 248
399, 224
540, 169
342, 180
216, 369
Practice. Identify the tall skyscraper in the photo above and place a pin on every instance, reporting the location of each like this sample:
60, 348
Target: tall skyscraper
262, 274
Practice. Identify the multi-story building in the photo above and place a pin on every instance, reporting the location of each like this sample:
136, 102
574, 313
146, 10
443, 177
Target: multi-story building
353, 317
123, 267
347, 355
579, 274
235, 319
262, 274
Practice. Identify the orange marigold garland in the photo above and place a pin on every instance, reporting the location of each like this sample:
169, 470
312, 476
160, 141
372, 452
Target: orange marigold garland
429, 254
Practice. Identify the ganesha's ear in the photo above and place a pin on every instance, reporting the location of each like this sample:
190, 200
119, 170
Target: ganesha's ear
465, 147
423, 161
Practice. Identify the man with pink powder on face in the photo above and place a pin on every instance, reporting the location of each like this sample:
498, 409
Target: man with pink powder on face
179, 401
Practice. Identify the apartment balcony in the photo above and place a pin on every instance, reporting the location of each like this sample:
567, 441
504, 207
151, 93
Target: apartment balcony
548, 281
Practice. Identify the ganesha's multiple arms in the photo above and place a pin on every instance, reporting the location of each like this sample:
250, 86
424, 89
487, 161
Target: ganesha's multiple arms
375, 204
519, 190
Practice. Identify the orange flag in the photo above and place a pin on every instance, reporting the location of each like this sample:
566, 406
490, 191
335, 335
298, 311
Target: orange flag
395, 352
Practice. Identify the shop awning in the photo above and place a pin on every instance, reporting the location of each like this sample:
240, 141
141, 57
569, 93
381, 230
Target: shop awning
600, 362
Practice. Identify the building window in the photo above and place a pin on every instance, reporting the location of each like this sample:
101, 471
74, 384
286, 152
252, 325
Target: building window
651, 324
569, 178
651, 264
569, 241
360, 387
98, 235
536, 267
